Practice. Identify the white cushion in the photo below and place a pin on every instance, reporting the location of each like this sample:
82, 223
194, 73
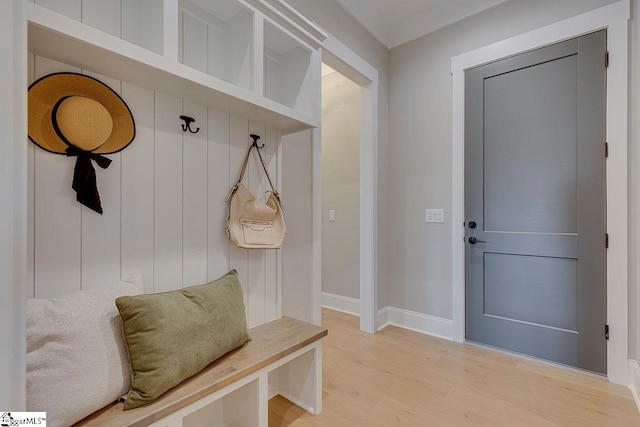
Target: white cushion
77, 361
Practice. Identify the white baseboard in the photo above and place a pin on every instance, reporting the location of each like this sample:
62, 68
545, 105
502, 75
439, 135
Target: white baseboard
634, 381
423, 323
339, 303
382, 319
418, 322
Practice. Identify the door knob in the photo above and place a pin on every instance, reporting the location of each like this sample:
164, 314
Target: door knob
473, 240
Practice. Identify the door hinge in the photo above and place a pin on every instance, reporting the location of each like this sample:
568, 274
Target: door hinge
606, 241
606, 149
606, 332
606, 59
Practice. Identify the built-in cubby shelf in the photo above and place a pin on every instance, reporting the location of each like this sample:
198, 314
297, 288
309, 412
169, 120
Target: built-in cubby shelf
216, 38
257, 58
140, 22
287, 69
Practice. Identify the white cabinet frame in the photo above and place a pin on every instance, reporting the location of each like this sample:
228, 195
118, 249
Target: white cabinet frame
25, 26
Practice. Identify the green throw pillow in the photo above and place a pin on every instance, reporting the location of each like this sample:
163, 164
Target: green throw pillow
172, 336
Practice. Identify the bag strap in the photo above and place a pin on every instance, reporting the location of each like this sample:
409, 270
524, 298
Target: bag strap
244, 169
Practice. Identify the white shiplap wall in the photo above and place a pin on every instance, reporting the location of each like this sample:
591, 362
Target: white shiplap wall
163, 200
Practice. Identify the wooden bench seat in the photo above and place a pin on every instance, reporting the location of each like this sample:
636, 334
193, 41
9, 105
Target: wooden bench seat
270, 343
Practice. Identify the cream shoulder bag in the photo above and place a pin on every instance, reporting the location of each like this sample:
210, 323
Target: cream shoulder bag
252, 224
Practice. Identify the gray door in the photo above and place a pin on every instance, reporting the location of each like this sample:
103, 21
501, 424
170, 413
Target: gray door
535, 203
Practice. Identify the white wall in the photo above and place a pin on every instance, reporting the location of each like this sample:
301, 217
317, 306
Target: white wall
163, 200
341, 103
634, 185
420, 161
334, 19
297, 255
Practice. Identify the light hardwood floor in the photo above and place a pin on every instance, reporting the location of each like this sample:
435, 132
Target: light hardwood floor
403, 378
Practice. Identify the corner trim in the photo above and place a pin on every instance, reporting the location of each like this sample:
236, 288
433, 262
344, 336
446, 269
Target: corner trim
341, 303
418, 322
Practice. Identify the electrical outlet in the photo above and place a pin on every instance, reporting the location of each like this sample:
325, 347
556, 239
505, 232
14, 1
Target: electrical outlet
332, 215
434, 216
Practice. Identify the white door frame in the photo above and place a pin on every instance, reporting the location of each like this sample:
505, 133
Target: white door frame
614, 18
13, 212
348, 63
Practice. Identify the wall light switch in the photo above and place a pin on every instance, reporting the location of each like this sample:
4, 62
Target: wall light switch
332, 215
434, 216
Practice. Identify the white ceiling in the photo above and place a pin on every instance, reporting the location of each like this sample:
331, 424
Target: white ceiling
395, 22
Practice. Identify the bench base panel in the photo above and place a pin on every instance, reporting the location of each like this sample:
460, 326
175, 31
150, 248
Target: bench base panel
245, 403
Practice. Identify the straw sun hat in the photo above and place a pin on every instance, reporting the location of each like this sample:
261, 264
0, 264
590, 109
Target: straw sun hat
77, 115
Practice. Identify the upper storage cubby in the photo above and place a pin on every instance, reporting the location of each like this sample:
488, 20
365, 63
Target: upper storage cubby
216, 38
288, 75
259, 59
137, 21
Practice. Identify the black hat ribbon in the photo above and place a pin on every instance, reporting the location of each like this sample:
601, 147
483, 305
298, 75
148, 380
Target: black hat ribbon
84, 177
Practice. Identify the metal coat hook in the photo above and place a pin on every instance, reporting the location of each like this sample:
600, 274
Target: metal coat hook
187, 124
255, 141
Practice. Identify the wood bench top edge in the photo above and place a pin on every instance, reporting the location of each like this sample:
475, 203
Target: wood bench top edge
270, 343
